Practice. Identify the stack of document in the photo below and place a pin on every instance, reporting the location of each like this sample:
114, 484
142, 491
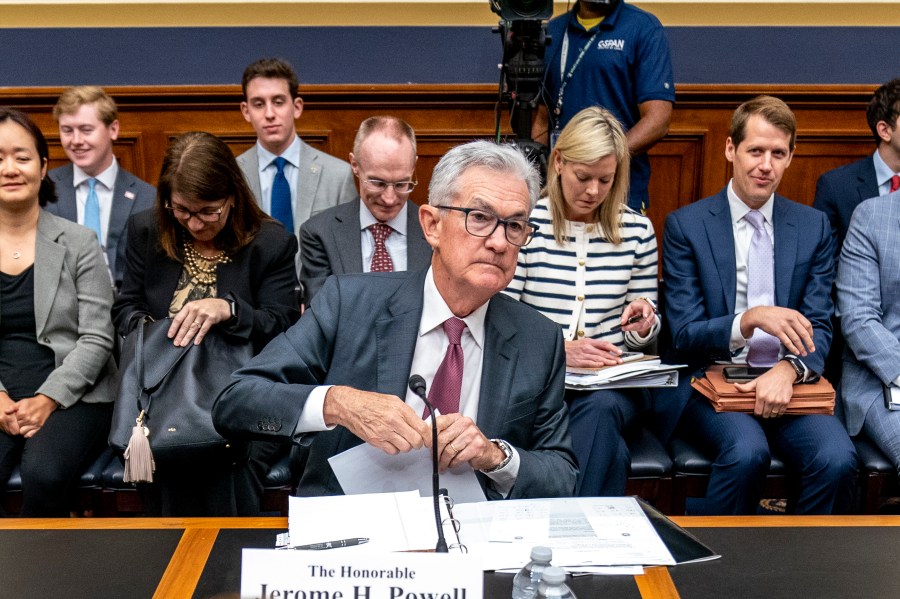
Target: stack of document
807, 398
646, 372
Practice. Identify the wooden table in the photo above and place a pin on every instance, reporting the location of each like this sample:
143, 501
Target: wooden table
200, 557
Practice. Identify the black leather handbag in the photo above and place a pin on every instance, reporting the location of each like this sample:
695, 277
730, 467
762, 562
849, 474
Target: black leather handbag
166, 393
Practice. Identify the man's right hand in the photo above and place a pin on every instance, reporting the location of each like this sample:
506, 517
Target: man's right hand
791, 327
384, 421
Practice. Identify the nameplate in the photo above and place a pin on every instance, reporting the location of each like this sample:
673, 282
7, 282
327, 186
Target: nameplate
290, 574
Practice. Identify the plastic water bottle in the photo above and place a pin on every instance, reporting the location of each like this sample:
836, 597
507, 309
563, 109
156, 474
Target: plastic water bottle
525, 583
553, 585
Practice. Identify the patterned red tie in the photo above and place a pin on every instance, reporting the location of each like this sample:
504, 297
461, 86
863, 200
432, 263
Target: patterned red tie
381, 260
895, 183
447, 384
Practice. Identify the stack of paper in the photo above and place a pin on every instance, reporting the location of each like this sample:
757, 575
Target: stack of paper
808, 398
648, 372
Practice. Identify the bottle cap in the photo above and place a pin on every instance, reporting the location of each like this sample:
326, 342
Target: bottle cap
554, 575
541, 554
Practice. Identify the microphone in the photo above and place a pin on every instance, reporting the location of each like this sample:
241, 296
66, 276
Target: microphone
417, 386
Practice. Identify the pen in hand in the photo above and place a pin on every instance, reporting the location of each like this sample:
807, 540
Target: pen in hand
332, 544
632, 320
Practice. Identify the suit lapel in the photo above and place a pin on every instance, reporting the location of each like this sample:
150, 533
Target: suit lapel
396, 335
308, 173
122, 204
497, 371
418, 252
720, 235
785, 250
67, 207
49, 260
251, 173
346, 237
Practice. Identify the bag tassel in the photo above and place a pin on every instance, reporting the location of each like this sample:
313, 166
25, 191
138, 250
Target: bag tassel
139, 464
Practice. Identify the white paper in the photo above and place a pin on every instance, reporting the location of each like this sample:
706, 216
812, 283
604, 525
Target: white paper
367, 469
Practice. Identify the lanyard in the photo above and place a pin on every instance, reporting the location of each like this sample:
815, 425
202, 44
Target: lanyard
564, 53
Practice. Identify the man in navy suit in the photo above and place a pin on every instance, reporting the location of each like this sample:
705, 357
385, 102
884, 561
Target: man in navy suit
338, 378
344, 239
712, 269
839, 191
94, 190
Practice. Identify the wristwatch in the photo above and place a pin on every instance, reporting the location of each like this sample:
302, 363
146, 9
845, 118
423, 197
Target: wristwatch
507, 452
797, 365
233, 306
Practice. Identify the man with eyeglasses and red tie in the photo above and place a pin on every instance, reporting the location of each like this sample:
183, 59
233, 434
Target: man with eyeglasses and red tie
379, 231
493, 367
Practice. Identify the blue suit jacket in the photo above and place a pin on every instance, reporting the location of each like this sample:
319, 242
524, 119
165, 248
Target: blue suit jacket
840, 190
361, 331
701, 285
868, 290
130, 196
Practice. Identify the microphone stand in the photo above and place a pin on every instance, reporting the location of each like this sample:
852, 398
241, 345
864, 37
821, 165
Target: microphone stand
417, 386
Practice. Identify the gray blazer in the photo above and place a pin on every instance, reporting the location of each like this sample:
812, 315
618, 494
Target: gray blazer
361, 331
72, 303
130, 196
868, 295
330, 244
323, 181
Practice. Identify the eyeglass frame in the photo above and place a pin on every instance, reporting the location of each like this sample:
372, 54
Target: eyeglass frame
499, 221
198, 213
381, 186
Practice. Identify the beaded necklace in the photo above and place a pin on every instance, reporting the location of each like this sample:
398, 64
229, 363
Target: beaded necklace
202, 268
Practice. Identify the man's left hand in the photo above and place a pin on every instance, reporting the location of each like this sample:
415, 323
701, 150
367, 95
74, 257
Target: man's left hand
773, 390
460, 441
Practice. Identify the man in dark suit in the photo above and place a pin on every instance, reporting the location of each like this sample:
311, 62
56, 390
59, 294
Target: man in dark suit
94, 190
379, 231
290, 179
748, 280
338, 378
839, 191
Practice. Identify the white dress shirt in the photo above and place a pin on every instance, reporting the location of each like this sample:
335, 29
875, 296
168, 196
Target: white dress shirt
395, 244
106, 183
267, 172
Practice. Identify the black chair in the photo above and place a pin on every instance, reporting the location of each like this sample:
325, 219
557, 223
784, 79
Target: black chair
650, 476
877, 475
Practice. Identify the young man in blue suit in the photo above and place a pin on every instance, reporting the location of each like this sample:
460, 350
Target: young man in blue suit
748, 278
94, 190
495, 367
344, 239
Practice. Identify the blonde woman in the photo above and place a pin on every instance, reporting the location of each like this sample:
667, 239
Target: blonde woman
592, 268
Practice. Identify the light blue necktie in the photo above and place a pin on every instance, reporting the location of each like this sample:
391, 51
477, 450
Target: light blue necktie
92, 210
763, 347
281, 196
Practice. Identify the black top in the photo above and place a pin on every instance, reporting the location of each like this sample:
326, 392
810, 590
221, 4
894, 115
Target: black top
24, 363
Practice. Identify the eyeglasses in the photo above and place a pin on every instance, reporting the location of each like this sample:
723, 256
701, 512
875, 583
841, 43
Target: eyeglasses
483, 224
400, 187
206, 215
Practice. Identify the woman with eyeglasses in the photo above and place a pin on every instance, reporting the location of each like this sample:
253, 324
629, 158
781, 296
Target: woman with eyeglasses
207, 256
592, 268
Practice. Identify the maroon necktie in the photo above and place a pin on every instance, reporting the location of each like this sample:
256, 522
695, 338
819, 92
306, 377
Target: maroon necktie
447, 384
895, 183
381, 260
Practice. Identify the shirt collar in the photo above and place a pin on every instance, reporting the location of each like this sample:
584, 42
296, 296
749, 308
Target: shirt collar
435, 311
883, 172
608, 22
739, 209
398, 223
107, 177
291, 154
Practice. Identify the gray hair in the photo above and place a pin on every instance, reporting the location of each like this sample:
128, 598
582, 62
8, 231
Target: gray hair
505, 159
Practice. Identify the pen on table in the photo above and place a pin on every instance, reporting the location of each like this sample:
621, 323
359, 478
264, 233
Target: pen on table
333, 544
632, 320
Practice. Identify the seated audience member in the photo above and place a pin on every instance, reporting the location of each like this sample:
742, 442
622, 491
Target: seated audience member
590, 268
494, 367
289, 179
839, 191
868, 290
94, 190
379, 231
748, 277
207, 256
56, 336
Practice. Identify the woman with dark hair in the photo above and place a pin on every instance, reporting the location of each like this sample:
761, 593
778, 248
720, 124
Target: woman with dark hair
56, 336
207, 256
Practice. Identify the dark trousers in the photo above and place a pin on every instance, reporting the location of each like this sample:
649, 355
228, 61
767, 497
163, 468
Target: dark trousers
816, 448
53, 459
598, 423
